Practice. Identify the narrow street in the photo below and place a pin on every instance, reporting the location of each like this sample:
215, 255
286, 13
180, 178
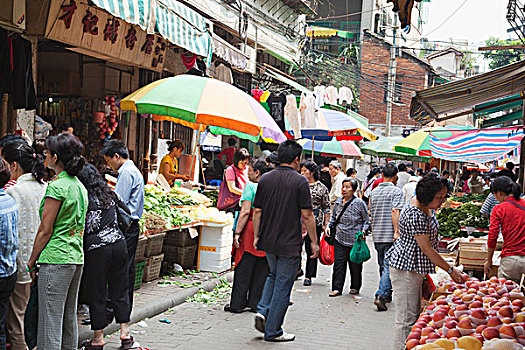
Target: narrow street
319, 322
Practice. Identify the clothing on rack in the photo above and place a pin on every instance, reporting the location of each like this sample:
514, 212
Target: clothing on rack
265, 96
223, 73
345, 94
320, 95
307, 110
257, 93
331, 95
276, 102
291, 115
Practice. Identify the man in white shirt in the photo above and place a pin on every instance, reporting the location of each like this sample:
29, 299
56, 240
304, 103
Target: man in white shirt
410, 188
336, 172
402, 176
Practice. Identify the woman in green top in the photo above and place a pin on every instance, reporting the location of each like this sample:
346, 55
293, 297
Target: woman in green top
58, 245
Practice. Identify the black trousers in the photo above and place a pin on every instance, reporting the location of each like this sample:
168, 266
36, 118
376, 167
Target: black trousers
248, 281
107, 267
7, 286
342, 257
311, 264
132, 240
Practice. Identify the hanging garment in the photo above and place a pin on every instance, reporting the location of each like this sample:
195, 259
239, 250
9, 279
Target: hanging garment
264, 96
188, 60
6, 62
345, 94
257, 93
276, 102
24, 95
331, 95
307, 110
320, 95
223, 73
291, 116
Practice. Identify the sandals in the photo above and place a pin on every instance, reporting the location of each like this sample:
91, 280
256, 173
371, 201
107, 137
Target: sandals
127, 343
86, 345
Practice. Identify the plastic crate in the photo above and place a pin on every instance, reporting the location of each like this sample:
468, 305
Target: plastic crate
152, 269
179, 238
184, 256
141, 248
154, 245
139, 272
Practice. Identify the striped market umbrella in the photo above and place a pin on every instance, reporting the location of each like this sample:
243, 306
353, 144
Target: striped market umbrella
418, 143
384, 148
333, 148
197, 101
330, 123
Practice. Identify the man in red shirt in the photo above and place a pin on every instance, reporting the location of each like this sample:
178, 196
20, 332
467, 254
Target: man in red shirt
509, 217
227, 154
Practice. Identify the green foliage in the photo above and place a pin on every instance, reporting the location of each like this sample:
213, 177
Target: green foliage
500, 58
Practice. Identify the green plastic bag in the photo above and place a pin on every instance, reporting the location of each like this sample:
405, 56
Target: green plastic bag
360, 252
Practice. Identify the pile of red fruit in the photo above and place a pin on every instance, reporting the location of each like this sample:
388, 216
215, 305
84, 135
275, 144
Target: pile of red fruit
484, 310
109, 123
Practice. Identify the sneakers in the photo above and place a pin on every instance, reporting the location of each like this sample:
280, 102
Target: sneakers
260, 322
380, 303
283, 337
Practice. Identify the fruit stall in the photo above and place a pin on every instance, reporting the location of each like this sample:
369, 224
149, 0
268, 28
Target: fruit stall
180, 227
473, 315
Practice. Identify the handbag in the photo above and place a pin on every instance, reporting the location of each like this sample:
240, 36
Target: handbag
326, 252
360, 252
331, 238
226, 198
124, 218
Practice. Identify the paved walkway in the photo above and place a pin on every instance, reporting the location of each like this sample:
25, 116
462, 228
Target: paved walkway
318, 321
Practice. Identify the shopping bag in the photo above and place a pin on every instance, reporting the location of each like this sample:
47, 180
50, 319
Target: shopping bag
428, 287
326, 252
227, 199
31, 318
360, 252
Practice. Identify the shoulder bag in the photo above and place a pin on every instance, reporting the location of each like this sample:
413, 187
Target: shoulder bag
226, 198
124, 218
331, 239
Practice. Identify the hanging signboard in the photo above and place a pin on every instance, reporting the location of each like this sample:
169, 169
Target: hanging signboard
97, 33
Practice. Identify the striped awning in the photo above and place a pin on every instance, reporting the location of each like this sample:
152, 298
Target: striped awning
477, 146
463, 95
171, 19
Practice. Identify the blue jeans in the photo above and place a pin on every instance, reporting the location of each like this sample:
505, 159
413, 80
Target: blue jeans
385, 286
276, 292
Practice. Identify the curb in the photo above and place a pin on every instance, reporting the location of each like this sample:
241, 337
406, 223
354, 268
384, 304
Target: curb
157, 307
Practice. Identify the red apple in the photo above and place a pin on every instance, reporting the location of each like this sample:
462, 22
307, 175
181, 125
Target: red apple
508, 331
414, 335
462, 307
517, 303
432, 336
506, 320
490, 333
520, 317
451, 324
476, 305
427, 330
493, 322
465, 323
412, 343
480, 328
506, 311
455, 333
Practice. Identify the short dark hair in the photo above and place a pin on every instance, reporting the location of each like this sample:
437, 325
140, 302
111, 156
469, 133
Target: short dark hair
313, 168
390, 170
419, 171
429, 186
352, 182
39, 145
231, 141
445, 172
350, 172
506, 185
273, 158
288, 151
115, 147
239, 155
68, 150
402, 167
177, 143
5, 173
64, 127
474, 171
259, 165
509, 166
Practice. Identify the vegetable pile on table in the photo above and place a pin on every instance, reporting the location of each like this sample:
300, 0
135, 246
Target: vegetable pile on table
475, 315
467, 215
472, 197
158, 202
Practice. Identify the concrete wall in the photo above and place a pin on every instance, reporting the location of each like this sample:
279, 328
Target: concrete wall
447, 61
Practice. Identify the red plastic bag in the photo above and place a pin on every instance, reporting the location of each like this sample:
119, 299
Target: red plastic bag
326, 252
428, 287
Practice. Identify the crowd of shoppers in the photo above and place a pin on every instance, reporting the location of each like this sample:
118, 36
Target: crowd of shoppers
58, 222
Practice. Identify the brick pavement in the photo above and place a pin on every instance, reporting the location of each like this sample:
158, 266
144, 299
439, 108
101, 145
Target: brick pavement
318, 321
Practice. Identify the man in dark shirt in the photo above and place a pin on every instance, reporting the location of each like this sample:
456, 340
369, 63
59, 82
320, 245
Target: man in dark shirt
283, 197
508, 171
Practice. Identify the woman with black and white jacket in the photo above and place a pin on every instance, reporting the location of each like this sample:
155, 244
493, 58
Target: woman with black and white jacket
355, 218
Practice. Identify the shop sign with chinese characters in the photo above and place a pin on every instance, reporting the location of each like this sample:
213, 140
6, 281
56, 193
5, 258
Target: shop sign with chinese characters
104, 36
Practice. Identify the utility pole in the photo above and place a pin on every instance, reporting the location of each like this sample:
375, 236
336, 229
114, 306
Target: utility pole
391, 79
